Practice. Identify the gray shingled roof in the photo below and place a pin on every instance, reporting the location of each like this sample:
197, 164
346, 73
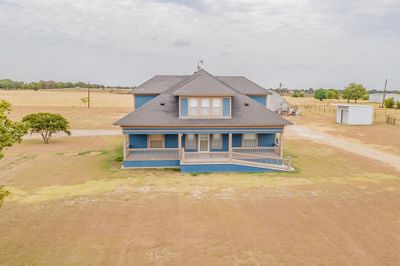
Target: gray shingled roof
245, 112
243, 85
204, 84
158, 84
161, 83
163, 110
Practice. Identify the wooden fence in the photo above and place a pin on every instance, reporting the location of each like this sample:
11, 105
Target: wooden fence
380, 114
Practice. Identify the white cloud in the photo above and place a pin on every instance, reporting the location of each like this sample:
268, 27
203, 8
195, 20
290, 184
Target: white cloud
303, 43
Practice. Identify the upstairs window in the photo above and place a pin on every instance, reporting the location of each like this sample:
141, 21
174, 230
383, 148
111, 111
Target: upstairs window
205, 107
249, 140
216, 107
156, 141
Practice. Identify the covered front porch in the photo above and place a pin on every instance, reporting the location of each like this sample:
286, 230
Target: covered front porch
257, 147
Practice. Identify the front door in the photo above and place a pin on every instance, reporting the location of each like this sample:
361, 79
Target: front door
204, 144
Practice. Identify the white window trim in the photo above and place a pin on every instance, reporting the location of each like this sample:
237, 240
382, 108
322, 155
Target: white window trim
162, 139
256, 140
221, 140
210, 116
195, 142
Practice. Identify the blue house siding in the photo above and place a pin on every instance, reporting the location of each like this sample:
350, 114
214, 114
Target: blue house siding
261, 99
137, 141
141, 100
227, 107
266, 140
184, 107
171, 141
151, 164
236, 140
212, 168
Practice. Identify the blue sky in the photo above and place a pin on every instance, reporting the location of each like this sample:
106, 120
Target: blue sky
301, 43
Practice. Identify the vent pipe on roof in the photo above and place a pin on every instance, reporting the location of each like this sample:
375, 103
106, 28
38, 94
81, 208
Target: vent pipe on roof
200, 64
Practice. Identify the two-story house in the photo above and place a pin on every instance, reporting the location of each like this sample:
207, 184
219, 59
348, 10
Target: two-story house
203, 123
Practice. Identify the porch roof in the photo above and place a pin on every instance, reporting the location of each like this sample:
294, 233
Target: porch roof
166, 131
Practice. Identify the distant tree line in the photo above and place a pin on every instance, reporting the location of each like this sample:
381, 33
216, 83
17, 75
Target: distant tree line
8, 84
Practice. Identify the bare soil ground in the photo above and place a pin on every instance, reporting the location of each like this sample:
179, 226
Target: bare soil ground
71, 204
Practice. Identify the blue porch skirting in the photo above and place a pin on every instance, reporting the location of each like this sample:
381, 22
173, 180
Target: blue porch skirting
151, 164
196, 168
218, 168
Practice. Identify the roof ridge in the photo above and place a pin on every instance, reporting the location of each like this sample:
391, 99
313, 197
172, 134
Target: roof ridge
198, 74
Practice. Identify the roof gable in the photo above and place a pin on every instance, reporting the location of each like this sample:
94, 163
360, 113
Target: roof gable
203, 83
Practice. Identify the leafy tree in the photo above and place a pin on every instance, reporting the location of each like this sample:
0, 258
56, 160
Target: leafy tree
398, 105
47, 124
10, 132
332, 94
320, 94
354, 91
389, 103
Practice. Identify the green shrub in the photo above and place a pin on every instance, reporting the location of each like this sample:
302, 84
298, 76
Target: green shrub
389, 103
298, 94
398, 105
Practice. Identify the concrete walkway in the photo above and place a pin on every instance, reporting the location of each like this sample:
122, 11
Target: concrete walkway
302, 132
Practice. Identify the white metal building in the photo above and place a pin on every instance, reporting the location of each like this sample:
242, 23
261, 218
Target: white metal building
378, 97
354, 114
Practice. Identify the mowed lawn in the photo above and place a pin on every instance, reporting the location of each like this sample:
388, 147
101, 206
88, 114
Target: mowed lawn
71, 204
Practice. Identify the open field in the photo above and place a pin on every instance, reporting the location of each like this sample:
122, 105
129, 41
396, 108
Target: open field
72, 204
106, 107
65, 98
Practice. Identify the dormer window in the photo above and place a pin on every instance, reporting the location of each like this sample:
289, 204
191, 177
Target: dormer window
204, 107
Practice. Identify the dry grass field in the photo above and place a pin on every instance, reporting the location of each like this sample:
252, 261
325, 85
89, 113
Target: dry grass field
106, 107
71, 204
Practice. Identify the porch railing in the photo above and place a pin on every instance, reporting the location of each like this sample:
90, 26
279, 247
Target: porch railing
153, 154
262, 160
257, 150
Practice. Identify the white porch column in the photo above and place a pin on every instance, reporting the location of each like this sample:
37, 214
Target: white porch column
179, 140
281, 143
125, 146
230, 145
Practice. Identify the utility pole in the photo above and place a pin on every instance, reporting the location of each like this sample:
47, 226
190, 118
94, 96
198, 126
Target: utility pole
384, 94
88, 95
